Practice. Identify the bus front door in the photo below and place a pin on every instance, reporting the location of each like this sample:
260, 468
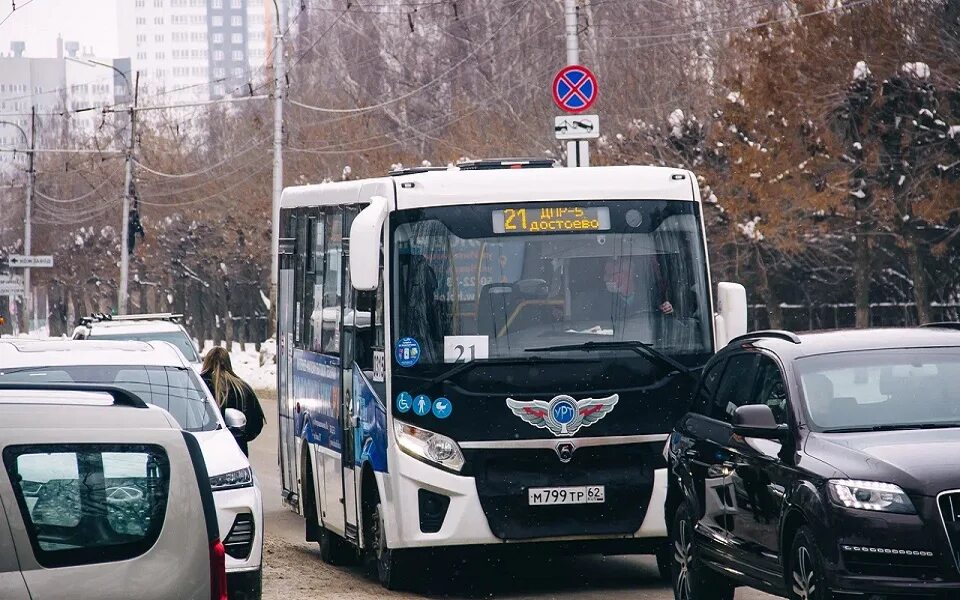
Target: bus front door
350, 409
285, 399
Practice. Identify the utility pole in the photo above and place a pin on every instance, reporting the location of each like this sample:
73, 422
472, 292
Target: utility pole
27, 229
578, 151
278, 82
125, 217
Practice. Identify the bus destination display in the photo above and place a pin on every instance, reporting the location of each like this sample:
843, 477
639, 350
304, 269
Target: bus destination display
549, 219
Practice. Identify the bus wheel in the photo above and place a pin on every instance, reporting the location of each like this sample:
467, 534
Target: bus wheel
334, 550
392, 568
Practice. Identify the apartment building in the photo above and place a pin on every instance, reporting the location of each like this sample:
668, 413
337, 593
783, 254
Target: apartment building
194, 50
74, 78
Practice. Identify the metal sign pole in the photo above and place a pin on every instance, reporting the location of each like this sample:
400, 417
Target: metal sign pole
573, 58
28, 209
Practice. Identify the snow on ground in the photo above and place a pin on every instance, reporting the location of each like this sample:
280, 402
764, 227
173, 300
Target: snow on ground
247, 364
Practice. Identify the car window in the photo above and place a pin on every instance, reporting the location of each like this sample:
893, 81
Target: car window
736, 386
708, 387
178, 338
770, 388
176, 390
89, 503
881, 388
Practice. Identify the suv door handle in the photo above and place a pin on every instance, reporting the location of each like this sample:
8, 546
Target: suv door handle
691, 453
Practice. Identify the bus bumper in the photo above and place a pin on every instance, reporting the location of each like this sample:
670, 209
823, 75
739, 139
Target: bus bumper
465, 523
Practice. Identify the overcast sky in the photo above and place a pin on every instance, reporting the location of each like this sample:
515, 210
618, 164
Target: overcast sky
90, 22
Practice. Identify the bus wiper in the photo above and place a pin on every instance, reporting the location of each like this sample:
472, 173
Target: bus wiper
464, 366
639, 347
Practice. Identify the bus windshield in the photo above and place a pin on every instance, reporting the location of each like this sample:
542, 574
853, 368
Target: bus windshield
508, 281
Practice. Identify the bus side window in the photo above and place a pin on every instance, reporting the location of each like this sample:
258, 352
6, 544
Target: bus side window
330, 303
317, 266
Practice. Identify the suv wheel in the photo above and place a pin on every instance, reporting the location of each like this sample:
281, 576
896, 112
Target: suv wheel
245, 586
806, 569
665, 562
691, 580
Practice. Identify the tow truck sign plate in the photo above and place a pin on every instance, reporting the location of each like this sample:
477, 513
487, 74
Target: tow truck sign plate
576, 127
582, 494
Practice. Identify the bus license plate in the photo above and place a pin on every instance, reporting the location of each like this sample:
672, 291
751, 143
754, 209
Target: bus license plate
584, 494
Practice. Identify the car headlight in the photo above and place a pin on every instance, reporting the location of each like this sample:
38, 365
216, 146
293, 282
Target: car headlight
429, 446
870, 495
234, 479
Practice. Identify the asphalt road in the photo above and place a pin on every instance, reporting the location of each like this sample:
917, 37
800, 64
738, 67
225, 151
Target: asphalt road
293, 569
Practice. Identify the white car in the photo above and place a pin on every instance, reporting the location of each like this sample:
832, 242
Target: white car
158, 373
160, 327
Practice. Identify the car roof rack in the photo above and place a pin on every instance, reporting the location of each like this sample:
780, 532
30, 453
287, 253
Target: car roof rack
486, 164
120, 396
780, 334
414, 170
101, 317
955, 325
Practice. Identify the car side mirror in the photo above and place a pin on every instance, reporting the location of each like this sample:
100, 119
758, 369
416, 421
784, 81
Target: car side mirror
757, 421
236, 420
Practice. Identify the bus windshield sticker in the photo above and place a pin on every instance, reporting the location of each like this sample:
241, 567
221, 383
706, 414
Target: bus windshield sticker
404, 402
408, 352
422, 405
465, 348
551, 219
442, 408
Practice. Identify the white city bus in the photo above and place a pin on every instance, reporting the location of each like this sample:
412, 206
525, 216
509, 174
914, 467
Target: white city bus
485, 355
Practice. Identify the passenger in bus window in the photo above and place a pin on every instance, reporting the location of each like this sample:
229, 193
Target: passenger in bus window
636, 284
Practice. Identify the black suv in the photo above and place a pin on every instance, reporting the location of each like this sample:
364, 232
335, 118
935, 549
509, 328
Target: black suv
819, 466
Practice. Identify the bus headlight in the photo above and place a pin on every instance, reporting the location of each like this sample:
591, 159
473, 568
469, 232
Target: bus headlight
429, 446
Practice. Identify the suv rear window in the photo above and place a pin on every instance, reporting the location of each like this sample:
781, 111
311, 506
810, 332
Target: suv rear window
176, 390
89, 503
179, 339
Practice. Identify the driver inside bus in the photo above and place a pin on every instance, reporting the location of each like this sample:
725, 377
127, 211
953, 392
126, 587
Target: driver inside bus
636, 284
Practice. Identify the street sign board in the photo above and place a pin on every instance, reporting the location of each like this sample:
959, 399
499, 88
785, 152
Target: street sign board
31, 262
575, 89
11, 288
577, 127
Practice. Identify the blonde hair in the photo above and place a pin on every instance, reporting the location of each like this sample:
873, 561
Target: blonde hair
217, 365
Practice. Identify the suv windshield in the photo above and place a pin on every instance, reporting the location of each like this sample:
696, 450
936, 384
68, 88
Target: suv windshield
500, 281
882, 389
183, 343
178, 391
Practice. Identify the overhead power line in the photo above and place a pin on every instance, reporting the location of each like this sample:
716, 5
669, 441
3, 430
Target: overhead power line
418, 89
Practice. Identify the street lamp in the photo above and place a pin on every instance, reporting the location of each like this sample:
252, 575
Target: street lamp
27, 233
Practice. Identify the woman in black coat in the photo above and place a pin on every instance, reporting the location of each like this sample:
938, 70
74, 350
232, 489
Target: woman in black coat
232, 392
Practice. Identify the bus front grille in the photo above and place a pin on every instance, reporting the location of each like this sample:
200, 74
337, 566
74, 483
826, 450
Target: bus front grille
503, 477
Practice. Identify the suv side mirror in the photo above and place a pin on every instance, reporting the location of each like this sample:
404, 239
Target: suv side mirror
236, 420
757, 421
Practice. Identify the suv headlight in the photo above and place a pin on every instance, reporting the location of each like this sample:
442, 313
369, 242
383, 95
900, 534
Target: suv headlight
870, 495
234, 479
429, 446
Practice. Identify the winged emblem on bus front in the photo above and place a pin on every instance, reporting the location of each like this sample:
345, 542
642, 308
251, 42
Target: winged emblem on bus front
563, 416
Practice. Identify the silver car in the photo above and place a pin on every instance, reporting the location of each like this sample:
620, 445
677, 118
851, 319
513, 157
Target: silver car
102, 496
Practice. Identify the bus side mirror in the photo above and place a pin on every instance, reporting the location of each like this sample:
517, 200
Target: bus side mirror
365, 236
731, 317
